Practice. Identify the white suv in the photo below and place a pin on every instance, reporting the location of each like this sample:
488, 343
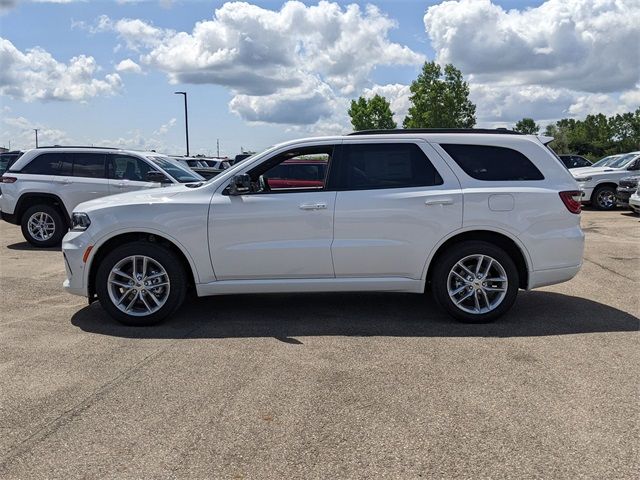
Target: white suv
471, 215
44, 185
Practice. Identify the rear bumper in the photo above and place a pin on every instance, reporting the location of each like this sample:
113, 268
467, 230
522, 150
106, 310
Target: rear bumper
9, 217
542, 278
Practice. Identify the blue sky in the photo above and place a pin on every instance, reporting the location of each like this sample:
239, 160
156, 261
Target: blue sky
517, 55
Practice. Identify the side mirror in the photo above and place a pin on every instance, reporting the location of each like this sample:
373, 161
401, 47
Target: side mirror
634, 166
155, 176
240, 184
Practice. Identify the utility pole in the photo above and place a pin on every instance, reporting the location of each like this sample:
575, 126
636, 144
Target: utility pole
218, 144
36, 130
186, 118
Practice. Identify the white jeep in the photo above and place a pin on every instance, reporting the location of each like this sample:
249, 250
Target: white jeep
41, 189
472, 215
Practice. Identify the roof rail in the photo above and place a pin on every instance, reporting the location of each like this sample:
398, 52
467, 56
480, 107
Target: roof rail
503, 131
81, 146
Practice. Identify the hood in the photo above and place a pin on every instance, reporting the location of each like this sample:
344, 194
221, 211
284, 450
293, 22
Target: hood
582, 171
152, 195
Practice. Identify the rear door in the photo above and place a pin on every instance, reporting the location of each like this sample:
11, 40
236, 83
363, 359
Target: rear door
396, 201
85, 178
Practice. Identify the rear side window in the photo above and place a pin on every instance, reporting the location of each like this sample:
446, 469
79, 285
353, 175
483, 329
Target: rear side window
385, 165
48, 164
490, 163
89, 165
124, 167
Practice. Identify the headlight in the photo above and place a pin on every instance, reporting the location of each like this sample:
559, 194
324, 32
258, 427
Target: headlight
80, 222
583, 179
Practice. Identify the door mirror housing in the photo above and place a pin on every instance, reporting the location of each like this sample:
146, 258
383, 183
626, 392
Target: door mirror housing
155, 176
240, 184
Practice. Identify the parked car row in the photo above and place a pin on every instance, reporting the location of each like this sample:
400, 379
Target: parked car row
599, 182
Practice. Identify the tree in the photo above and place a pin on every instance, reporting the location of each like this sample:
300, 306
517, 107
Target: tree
527, 126
373, 114
439, 101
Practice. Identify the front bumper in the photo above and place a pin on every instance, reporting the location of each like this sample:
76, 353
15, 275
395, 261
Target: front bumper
586, 192
74, 245
634, 203
623, 194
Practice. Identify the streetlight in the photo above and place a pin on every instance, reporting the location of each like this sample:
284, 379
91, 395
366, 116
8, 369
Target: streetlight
186, 119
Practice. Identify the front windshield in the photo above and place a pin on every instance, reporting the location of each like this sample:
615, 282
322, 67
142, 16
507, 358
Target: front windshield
603, 162
177, 171
623, 161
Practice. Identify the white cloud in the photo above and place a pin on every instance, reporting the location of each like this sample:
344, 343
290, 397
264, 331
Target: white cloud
19, 131
284, 66
128, 66
164, 128
398, 96
36, 75
586, 45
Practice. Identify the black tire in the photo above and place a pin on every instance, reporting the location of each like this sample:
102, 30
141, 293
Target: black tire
166, 259
59, 225
459, 251
600, 196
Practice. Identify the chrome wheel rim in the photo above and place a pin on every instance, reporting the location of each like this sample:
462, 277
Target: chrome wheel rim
606, 199
41, 226
138, 285
477, 284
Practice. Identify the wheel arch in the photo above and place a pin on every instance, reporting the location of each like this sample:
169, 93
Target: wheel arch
107, 244
29, 199
509, 243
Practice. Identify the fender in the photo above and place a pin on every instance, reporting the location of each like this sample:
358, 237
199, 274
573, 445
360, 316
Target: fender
25, 197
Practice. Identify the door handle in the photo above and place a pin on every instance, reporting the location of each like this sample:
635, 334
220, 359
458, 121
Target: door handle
439, 201
65, 181
120, 185
313, 206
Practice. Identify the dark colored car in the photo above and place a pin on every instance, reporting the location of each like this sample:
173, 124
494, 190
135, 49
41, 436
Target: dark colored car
574, 161
7, 159
626, 187
241, 157
297, 174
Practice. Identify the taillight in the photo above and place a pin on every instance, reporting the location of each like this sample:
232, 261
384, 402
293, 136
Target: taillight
571, 200
8, 179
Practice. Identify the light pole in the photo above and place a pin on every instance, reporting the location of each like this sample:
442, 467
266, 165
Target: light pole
36, 130
186, 119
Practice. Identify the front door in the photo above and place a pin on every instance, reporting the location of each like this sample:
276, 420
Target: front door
283, 227
128, 173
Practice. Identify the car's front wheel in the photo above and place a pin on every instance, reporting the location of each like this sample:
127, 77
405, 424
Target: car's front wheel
604, 198
141, 283
475, 281
43, 226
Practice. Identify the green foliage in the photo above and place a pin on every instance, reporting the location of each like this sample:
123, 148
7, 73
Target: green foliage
597, 135
528, 126
440, 101
373, 114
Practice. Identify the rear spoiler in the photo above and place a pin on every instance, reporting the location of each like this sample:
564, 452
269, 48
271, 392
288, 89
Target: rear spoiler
544, 139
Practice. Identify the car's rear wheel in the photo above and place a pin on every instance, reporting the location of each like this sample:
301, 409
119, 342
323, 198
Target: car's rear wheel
604, 198
43, 226
141, 283
475, 282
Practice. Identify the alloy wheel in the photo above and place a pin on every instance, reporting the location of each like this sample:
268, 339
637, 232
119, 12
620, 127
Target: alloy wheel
477, 284
606, 199
138, 285
41, 226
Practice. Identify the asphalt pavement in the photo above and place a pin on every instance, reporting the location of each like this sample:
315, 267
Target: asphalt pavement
324, 386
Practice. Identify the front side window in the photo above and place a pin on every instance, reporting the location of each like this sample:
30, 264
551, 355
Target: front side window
298, 169
125, 167
89, 165
385, 165
491, 163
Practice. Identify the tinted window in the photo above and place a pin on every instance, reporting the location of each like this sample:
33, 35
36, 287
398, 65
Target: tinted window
48, 164
491, 163
385, 165
124, 167
90, 165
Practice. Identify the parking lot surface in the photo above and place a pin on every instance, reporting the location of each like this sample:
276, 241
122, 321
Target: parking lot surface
325, 385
